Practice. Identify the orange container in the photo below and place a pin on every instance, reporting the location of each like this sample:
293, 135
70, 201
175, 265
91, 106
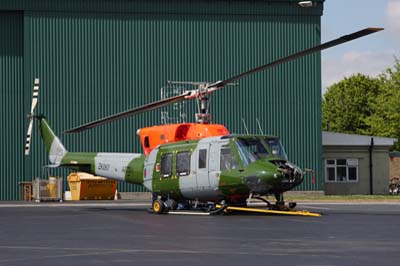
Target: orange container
85, 186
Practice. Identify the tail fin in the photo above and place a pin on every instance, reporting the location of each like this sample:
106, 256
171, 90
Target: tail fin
54, 147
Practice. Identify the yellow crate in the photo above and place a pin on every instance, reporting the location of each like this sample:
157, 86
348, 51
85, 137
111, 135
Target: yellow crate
85, 186
47, 189
52, 187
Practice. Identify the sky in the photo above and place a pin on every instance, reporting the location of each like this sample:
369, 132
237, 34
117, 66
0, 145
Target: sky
370, 55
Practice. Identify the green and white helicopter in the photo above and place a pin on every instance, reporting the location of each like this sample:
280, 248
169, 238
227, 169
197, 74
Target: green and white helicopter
192, 164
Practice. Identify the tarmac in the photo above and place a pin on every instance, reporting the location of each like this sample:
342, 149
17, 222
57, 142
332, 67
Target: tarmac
124, 233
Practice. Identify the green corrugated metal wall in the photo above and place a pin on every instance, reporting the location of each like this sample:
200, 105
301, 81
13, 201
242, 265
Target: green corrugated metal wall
12, 113
92, 64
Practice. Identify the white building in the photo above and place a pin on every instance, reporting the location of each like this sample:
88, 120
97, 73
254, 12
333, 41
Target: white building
355, 164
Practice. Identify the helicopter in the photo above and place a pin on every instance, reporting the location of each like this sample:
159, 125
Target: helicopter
190, 164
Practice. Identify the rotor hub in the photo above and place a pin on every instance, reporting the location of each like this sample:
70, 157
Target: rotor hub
203, 115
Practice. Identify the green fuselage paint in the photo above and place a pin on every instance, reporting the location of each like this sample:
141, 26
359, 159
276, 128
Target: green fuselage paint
134, 171
209, 169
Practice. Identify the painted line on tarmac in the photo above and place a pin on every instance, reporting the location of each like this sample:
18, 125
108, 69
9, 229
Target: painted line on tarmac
309, 203
188, 213
82, 252
144, 204
315, 207
61, 205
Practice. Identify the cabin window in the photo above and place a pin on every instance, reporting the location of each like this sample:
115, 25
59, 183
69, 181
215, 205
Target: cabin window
202, 158
147, 142
183, 163
341, 170
227, 159
166, 165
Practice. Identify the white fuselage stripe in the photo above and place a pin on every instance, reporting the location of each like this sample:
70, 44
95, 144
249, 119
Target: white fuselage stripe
113, 165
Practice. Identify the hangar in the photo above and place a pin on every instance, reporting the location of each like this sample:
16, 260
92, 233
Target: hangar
98, 57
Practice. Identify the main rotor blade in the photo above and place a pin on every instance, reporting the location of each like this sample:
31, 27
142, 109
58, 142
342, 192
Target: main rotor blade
130, 112
220, 84
343, 39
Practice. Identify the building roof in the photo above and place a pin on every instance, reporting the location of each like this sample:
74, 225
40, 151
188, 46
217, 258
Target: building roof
342, 139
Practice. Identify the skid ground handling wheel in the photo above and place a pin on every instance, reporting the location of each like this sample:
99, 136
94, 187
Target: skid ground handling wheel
158, 206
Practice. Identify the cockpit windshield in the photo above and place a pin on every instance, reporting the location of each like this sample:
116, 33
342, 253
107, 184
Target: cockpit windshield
276, 147
250, 150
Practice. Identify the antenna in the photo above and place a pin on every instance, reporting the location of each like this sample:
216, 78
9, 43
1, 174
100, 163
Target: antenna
174, 113
244, 124
259, 126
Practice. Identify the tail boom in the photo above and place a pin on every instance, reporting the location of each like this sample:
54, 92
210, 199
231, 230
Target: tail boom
119, 166
126, 167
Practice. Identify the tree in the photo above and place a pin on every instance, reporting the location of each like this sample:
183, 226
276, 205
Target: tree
348, 104
385, 121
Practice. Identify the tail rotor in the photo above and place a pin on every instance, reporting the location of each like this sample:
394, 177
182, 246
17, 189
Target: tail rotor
31, 116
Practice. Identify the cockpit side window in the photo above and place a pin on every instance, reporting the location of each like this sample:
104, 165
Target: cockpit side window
166, 165
227, 159
276, 147
183, 163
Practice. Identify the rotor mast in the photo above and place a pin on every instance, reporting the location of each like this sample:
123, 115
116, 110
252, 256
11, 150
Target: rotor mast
202, 96
203, 115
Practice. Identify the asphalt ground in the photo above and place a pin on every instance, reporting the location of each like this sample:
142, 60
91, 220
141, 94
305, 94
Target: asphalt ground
125, 234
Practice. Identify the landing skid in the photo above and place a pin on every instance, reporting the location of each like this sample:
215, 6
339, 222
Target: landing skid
273, 209
200, 211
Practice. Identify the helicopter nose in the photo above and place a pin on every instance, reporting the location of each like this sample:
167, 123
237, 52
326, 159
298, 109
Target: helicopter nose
258, 182
288, 172
291, 172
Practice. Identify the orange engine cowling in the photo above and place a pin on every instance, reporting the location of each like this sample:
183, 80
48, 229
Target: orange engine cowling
151, 137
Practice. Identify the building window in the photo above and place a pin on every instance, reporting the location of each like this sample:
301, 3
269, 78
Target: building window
341, 170
183, 163
166, 165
